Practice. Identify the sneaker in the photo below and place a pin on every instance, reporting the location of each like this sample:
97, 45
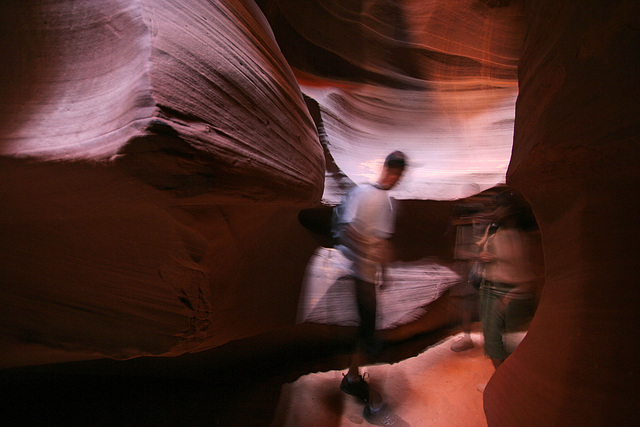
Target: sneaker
464, 343
359, 388
383, 417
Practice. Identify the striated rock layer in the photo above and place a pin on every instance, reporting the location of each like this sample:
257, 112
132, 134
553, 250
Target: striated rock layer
436, 79
154, 159
143, 83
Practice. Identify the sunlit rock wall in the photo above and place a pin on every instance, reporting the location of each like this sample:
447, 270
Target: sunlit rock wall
575, 157
113, 81
436, 79
154, 159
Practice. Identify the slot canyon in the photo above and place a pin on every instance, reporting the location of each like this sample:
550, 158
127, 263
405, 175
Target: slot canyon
168, 172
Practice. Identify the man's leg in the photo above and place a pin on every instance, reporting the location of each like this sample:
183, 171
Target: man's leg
353, 382
518, 315
492, 325
366, 302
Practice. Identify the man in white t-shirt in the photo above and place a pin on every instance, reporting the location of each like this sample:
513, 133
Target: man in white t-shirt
370, 215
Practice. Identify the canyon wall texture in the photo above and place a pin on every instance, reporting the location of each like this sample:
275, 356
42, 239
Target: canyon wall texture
575, 153
155, 159
436, 79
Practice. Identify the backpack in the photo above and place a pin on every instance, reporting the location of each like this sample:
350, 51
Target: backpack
338, 222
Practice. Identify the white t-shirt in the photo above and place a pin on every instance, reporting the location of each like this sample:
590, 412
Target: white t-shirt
371, 212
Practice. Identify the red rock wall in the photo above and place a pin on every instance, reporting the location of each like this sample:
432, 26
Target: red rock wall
575, 157
154, 159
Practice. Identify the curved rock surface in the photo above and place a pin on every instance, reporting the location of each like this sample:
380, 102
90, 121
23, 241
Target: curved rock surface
154, 159
437, 79
144, 83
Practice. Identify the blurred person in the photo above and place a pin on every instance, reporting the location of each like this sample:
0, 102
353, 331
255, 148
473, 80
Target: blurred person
368, 217
510, 256
471, 223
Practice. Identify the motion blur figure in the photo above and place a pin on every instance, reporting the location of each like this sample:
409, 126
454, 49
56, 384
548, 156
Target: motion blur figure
510, 254
471, 222
369, 218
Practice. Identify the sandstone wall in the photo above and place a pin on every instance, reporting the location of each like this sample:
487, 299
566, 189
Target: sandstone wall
154, 159
574, 157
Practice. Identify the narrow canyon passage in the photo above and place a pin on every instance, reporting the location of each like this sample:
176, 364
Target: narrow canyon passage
165, 171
